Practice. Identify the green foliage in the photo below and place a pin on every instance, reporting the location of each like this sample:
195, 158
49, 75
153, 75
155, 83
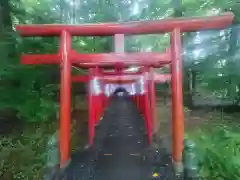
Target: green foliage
24, 157
38, 107
42, 12
218, 152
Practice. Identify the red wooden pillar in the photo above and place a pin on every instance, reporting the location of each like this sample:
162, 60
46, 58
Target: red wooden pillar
153, 99
141, 95
147, 110
94, 96
97, 96
177, 99
91, 109
137, 100
101, 99
65, 97
141, 103
149, 96
135, 95
97, 109
134, 99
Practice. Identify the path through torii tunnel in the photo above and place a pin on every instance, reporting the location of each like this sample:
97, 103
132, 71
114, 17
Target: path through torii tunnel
132, 86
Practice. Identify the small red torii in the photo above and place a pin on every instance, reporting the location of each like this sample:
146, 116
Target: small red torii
129, 78
158, 78
66, 57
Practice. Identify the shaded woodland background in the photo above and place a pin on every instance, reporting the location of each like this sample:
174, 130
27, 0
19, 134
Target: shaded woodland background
29, 94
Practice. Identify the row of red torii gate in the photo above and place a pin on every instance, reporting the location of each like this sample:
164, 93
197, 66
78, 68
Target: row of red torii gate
139, 84
97, 63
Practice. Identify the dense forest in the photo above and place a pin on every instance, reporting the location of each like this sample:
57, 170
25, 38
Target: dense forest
29, 94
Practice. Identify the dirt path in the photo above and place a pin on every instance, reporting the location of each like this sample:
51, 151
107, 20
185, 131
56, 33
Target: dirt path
193, 120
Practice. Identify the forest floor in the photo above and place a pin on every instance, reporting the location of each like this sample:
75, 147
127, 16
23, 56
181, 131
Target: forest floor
23, 154
196, 122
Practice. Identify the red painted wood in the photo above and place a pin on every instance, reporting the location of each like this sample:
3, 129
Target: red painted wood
141, 27
102, 59
98, 99
65, 97
107, 73
153, 100
91, 110
124, 60
80, 78
141, 97
41, 58
102, 108
111, 78
147, 107
177, 99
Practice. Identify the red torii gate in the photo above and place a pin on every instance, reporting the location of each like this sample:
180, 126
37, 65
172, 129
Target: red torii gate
158, 78
66, 57
130, 78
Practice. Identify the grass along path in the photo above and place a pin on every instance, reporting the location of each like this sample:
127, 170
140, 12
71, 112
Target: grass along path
23, 155
217, 139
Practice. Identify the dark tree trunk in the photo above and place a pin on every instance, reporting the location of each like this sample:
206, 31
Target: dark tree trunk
6, 29
5, 15
189, 87
61, 4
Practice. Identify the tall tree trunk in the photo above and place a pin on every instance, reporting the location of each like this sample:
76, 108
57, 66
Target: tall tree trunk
187, 88
191, 87
5, 14
177, 5
61, 4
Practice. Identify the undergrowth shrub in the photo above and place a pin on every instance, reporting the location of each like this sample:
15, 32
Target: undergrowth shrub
24, 156
218, 151
40, 105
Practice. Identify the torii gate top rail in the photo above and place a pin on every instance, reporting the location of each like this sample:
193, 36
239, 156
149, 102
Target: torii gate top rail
100, 59
139, 27
105, 29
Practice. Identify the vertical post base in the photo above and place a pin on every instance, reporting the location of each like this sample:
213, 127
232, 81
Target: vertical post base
62, 169
56, 172
178, 167
63, 166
